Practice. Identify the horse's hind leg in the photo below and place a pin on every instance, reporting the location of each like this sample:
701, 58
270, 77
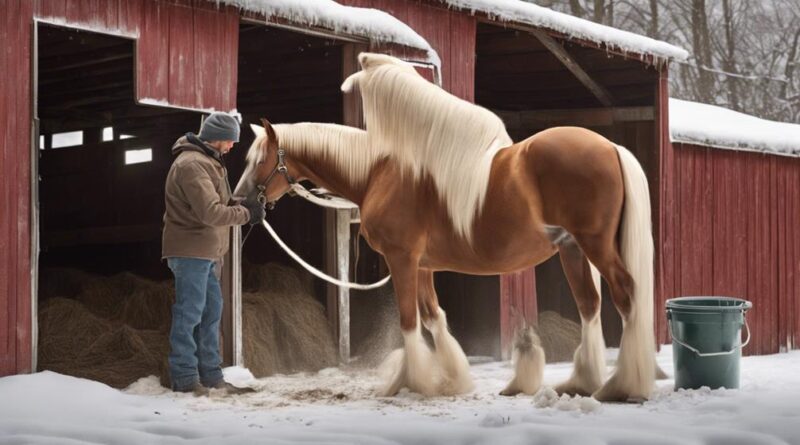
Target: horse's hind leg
589, 367
414, 367
635, 371
448, 353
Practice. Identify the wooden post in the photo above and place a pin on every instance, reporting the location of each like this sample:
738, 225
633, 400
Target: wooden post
337, 222
343, 269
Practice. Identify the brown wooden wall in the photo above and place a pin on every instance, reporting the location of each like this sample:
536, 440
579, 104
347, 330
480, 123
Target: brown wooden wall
15, 203
186, 50
731, 230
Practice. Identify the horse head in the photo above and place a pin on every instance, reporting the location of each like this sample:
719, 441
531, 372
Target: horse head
266, 176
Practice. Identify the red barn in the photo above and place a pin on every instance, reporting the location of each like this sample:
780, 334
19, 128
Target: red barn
148, 68
730, 213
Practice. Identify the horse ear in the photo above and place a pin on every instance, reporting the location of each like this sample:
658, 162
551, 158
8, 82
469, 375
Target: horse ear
269, 130
258, 131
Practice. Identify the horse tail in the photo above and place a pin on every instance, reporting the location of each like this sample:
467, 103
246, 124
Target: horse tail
636, 248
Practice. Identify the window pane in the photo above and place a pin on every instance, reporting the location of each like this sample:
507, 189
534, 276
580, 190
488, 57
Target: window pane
138, 156
68, 139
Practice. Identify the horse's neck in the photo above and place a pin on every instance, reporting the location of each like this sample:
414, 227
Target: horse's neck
332, 156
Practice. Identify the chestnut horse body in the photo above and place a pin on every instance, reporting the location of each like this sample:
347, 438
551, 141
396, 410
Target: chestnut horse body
564, 190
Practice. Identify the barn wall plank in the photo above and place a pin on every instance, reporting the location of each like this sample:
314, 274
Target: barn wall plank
152, 65
21, 82
7, 145
181, 84
15, 303
729, 229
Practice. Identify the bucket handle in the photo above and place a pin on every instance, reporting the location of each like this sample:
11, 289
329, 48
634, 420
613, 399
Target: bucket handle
710, 354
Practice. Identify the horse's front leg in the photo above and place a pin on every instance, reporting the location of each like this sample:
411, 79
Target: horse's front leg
449, 355
414, 367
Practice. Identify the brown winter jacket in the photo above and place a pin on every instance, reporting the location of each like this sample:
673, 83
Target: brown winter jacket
198, 199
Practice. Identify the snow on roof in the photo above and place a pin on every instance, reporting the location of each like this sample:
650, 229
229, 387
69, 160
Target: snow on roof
373, 24
712, 126
528, 13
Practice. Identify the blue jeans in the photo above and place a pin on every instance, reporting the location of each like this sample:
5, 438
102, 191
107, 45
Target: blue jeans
194, 336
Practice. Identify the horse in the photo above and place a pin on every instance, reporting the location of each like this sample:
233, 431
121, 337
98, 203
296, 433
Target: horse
441, 186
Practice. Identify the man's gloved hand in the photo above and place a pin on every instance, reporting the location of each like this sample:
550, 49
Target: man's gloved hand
256, 209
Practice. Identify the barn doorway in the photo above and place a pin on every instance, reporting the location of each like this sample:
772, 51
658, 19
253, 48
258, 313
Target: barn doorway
521, 79
290, 75
103, 294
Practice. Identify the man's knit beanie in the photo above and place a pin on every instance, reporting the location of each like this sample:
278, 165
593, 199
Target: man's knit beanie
220, 127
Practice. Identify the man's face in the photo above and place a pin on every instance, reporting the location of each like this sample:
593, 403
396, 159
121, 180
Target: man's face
222, 146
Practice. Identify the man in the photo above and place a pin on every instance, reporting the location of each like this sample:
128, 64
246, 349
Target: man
197, 221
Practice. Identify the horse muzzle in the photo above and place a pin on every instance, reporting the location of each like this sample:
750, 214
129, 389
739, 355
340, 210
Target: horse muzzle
262, 198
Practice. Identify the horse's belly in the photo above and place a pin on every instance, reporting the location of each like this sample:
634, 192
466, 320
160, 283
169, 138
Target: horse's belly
503, 254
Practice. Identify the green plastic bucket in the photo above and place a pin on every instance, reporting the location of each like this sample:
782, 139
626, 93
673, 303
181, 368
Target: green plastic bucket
706, 340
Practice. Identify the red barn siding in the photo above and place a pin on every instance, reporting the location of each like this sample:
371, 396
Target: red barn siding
15, 112
152, 53
517, 303
188, 54
213, 30
736, 215
187, 50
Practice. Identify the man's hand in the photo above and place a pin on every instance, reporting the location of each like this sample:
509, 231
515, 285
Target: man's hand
256, 209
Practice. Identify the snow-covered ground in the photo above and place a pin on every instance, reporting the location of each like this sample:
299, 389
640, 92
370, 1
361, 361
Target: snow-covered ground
338, 406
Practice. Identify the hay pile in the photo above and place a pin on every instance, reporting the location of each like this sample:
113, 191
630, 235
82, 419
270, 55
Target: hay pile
110, 329
116, 329
560, 336
285, 329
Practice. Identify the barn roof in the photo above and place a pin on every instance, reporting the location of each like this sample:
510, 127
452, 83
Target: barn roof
372, 24
712, 126
530, 14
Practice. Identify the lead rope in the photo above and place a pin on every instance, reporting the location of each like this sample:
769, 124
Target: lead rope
318, 273
301, 191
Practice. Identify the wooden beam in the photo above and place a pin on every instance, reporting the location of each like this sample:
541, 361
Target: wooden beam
587, 117
550, 43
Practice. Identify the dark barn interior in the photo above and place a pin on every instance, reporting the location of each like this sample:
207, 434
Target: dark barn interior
529, 85
286, 77
99, 212
103, 292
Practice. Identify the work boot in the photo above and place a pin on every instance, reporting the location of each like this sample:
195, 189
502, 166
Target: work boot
197, 389
232, 390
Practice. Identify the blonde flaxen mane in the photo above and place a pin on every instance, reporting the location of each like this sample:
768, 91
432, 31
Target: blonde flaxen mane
428, 130
346, 147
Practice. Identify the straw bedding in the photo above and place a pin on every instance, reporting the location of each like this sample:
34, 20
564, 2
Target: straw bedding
560, 336
115, 329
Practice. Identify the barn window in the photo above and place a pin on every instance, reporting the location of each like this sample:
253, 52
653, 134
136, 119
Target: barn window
41, 142
138, 156
68, 139
108, 134
126, 136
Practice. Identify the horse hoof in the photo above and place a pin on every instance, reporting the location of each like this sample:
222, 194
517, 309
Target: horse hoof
613, 392
510, 392
571, 389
